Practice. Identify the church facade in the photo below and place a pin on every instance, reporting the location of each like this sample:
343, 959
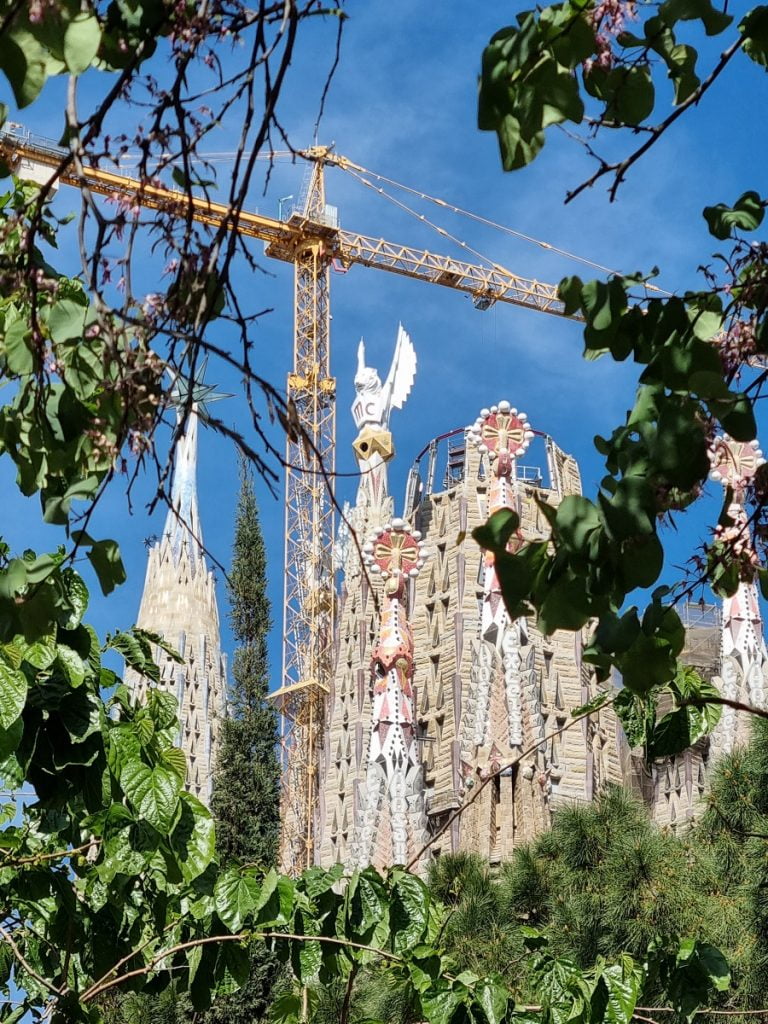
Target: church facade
474, 705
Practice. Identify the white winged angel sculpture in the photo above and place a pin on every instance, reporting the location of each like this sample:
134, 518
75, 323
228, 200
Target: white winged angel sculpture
371, 409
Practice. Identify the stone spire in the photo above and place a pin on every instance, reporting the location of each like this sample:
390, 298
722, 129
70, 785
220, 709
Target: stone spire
179, 602
743, 655
494, 719
393, 826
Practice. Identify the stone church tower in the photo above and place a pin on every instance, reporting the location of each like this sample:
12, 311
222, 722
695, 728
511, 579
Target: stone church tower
179, 602
444, 725
483, 690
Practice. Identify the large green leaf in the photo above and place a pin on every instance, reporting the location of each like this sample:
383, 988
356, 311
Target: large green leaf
19, 357
440, 1005
276, 899
235, 896
577, 517
623, 981
71, 664
233, 966
77, 596
754, 28
409, 910
81, 42
154, 792
23, 60
494, 998
41, 654
746, 215
13, 579
13, 693
104, 556
193, 837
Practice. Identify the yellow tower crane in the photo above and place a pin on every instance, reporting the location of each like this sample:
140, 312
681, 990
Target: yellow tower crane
312, 244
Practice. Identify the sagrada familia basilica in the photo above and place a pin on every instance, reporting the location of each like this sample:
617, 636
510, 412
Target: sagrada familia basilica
438, 700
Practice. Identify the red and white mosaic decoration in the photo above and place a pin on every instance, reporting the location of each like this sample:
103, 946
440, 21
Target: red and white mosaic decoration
393, 778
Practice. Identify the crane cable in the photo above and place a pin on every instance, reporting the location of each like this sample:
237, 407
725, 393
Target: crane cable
361, 173
436, 227
425, 220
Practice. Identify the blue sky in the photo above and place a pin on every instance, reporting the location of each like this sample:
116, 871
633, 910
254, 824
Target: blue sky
403, 103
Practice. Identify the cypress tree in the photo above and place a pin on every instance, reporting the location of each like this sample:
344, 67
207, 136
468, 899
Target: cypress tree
246, 803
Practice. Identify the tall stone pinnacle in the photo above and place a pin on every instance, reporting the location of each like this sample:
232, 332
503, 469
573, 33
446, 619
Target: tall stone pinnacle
179, 602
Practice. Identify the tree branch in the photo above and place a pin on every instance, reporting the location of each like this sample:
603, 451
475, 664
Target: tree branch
619, 169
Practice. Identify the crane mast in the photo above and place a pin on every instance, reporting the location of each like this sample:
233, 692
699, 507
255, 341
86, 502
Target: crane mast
311, 244
309, 599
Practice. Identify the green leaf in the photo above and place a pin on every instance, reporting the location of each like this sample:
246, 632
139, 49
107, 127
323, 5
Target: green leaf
13, 693
565, 605
440, 1005
715, 966
233, 966
746, 215
670, 735
82, 38
577, 518
623, 981
24, 61
641, 561
77, 596
275, 901
494, 1000
497, 531
176, 759
71, 664
604, 302
306, 956
409, 908
19, 357
754, 27
569, 291
193, 838
10, 738
628, 92
714, 21
286, 1009
235, 896
104, 556
13, 579
42, 653
154, 792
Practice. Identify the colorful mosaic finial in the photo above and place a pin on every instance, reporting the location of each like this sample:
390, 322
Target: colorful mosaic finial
396, 553
501, 431
735, 463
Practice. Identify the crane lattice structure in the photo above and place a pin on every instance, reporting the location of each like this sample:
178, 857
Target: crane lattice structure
312, 244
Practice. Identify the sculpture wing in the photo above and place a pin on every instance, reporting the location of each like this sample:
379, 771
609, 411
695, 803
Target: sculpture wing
402, 372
